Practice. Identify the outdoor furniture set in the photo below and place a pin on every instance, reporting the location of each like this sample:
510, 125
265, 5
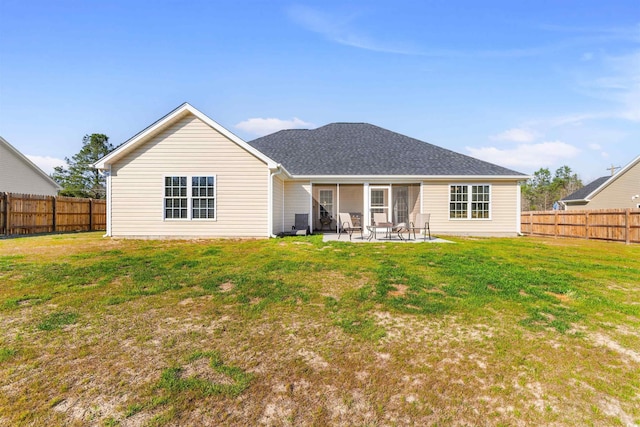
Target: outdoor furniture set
381, 225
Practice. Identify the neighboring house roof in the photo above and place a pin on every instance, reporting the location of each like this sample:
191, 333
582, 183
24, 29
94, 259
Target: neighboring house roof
354, 149
24, 159
583, 193
168, 120
590, 190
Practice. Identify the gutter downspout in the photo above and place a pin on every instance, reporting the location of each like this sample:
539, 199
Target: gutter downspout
272, 174
107, 173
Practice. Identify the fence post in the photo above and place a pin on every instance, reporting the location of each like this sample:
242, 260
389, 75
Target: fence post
586, 224
90, 214
531, 223
555, 223
627, 225
8, 214
55, 213
5, 219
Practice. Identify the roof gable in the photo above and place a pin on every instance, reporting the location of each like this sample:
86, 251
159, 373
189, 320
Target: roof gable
25, 160
166, 121
583, 193
353, 149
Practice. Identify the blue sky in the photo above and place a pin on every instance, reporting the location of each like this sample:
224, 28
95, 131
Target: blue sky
524, 84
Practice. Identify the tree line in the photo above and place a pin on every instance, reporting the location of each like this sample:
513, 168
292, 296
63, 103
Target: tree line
543, 190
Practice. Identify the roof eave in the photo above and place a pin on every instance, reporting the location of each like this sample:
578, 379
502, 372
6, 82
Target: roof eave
418, 177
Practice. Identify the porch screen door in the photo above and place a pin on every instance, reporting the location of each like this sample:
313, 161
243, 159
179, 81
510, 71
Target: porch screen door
326, 204
379, 201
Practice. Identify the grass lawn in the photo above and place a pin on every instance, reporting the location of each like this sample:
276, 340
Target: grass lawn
524, 331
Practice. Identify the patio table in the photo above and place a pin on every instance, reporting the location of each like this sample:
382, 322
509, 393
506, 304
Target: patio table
387, 227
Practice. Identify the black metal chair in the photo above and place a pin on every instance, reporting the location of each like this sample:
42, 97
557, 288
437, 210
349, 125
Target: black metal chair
301, 227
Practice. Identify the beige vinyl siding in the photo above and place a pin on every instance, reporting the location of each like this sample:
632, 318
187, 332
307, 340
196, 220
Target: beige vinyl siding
617, 195
17, 176
189, 148
297, 196
277, 225
504, 210
352, 198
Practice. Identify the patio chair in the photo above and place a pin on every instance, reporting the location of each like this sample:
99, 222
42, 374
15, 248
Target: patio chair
380, 218
421, 224
346, 225
301, 227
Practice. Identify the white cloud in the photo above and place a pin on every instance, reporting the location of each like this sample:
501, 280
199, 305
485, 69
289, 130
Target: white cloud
594, 146
587, 56
529, 156
46, 163
515, 135
259, 126
339, 28
620, 86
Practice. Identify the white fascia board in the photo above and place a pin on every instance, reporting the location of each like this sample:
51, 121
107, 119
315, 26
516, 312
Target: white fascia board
406, 178
576, 201
170, 118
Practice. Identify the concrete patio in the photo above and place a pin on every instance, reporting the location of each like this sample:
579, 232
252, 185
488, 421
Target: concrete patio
333, 237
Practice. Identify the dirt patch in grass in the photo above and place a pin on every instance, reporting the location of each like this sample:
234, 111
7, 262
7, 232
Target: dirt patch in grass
226, 287
561, 297
611, 344
399, 290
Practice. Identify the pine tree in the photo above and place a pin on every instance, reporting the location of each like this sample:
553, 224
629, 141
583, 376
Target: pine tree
79, 178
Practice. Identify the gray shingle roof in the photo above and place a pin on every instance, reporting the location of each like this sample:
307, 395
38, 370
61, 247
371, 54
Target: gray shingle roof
582, 193
364, 149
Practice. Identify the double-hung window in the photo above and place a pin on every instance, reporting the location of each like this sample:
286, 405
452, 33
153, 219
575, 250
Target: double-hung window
470, 201
190, 197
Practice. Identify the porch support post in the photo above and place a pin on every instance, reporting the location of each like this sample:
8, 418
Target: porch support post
390, 204
366, 221
421, 196
337, 212
311, 207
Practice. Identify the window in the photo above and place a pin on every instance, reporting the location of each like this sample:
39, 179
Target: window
203, 202
175, 197
458, 201
189, 197
470, 201
480, 201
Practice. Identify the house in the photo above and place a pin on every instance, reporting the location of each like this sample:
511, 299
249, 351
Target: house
187, 176
18, 174
619, 191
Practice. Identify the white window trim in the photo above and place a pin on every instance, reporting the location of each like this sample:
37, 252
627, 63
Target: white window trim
190, 196
469, 201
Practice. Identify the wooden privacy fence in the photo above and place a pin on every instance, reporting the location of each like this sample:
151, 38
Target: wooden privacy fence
31, 214
621, 225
